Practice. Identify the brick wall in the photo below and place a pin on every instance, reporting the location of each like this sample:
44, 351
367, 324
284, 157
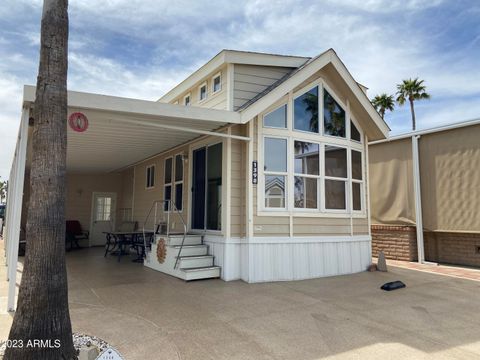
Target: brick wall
452, 248
397, 242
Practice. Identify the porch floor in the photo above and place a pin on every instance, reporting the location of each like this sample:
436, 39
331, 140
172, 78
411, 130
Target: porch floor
149, 315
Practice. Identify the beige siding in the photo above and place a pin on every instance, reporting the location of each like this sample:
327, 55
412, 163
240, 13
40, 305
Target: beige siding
308, 226
80, 188
238, 171
360, 226
213, 101
450, 179
144, 198
125, 199
250, 80
271, 226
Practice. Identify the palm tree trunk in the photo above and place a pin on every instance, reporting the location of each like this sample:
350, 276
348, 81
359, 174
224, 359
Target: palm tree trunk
42, 309
414, 125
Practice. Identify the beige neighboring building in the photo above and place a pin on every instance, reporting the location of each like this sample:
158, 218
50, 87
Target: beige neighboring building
263, 158
448, 183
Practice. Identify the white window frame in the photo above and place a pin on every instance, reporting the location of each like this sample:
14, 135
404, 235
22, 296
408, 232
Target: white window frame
189, 96
206, 143
175, 182
299, 93
361, 182
346, 180
147, 180
165, 184
217, 75
317, 177
278, 173
271, 111
344, 106
202, 85
354, 120
291, 135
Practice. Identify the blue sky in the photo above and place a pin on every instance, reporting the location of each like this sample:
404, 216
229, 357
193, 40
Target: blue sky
142, 48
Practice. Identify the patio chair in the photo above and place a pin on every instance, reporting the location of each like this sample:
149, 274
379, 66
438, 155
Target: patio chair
74, 233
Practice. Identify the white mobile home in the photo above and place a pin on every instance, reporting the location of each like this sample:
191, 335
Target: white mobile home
262, 159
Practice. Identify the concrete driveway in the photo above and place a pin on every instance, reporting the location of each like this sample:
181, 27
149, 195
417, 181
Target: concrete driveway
148, 315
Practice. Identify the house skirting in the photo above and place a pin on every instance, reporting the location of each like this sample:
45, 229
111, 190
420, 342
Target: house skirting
452, 248
264, 259
400, 243
396, 242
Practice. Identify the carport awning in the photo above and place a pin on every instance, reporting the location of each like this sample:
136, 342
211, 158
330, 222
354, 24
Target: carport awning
124, 131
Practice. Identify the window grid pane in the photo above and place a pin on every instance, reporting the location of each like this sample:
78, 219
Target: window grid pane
335, 198
356, 196
305, 117
216, 84
335, 161
356, 165
354, 133
168, 170
333, 116
167, 196
275, 191
178, 168
305, 194
277, 118
275, 154
306, 158
179, 196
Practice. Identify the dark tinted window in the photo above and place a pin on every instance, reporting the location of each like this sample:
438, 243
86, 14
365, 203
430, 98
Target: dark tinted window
333, 116
305, 116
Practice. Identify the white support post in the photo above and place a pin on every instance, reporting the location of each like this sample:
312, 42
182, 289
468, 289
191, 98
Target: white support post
418, 198
249, 185
16, 201
228, 183
366, 187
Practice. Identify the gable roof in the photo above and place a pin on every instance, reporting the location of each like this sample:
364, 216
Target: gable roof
273, 93
233, 57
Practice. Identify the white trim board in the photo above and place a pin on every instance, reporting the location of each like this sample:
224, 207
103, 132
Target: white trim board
232, 57
83, 100
441, 128
286, 239
328, 57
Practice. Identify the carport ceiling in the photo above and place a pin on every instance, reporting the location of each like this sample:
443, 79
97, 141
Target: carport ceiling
117, 135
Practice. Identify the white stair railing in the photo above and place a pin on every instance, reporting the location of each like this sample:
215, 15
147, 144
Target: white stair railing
170, 205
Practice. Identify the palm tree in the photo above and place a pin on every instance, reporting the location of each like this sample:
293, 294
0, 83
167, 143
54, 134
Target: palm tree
3, 190
42, 308
411, 90
382, 103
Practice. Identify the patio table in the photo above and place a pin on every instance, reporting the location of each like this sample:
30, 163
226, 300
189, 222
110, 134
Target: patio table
117, 241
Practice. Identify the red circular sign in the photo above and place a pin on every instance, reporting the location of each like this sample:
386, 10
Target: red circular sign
78, 122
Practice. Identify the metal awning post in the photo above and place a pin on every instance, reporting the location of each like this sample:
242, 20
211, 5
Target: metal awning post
418, 198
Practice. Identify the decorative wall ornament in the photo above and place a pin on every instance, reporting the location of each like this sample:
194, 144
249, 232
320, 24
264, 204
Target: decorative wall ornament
78, 122
161, 250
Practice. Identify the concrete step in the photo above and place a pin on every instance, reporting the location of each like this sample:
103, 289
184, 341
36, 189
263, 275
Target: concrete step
191, 250
201, 273
189, 262
189, 240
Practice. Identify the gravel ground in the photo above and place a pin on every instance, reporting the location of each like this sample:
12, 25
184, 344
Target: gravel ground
79, 341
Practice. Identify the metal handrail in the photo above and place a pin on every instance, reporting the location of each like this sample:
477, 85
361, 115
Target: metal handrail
170, 205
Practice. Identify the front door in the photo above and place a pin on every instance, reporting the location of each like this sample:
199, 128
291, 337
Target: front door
207, 188
103, 216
